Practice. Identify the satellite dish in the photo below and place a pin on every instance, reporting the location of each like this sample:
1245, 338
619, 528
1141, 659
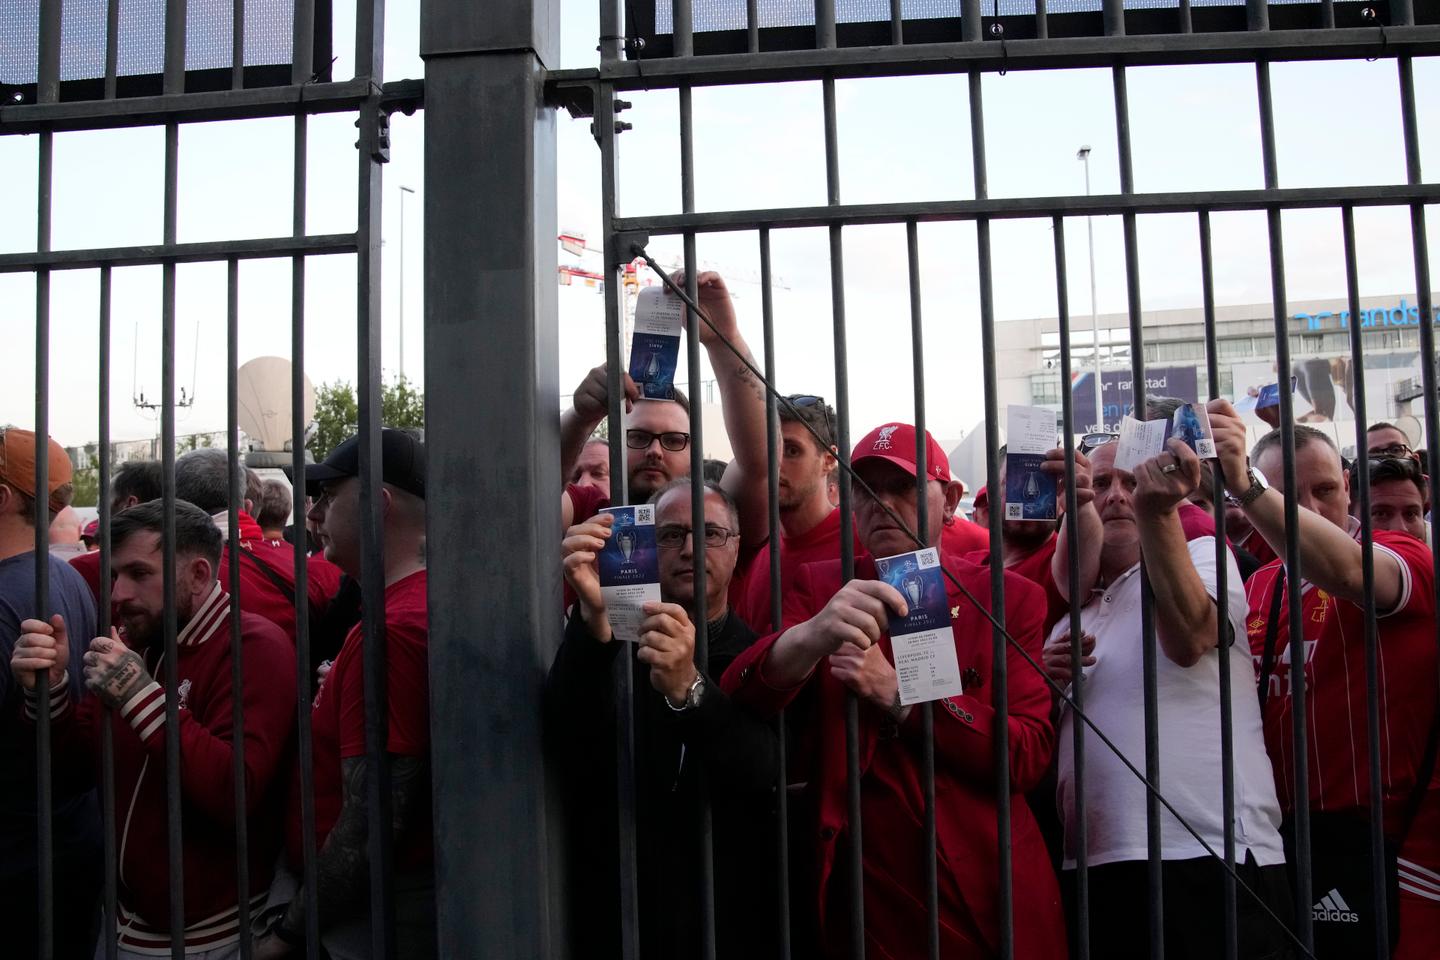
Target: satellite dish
263, 397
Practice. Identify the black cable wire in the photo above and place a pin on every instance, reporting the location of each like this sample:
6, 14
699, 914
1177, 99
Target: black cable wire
639, 250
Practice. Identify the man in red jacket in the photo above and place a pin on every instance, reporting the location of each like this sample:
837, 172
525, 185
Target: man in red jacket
835, 642
120, 670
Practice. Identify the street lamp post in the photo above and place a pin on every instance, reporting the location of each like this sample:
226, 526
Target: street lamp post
403, 190
1083, 155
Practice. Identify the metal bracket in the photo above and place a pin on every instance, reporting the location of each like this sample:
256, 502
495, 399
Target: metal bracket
628, 246
378, 140
577, 98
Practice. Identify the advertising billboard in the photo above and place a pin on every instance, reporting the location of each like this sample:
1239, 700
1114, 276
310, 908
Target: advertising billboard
1118, 393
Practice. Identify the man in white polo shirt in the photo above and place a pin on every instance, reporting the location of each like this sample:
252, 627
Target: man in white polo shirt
1146, 513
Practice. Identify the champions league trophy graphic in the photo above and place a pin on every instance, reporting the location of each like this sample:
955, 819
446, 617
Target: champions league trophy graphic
625, 538
1032, 485
652, 369
912, 586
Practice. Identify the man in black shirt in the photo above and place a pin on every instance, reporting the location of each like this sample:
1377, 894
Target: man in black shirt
686, 730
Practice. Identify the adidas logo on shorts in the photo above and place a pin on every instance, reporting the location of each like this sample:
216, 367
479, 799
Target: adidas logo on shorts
1332, 908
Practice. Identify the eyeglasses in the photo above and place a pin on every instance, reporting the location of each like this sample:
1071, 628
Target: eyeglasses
1092, 440
1395, 450
671, 536
672, 440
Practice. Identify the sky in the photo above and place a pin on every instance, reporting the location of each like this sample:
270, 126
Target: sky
1193, 128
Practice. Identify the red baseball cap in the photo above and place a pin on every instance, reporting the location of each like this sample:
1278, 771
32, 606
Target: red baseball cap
895, 442
982, 497
18, 450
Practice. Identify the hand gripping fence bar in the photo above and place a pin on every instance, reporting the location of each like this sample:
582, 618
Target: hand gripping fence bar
1058, 691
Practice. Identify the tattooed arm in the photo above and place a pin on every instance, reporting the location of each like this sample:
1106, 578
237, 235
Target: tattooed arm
342, 869
742, 401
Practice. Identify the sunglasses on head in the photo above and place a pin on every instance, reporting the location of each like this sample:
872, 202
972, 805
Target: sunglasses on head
802, 401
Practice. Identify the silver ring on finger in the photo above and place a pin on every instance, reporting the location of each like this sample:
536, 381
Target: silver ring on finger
1170, 468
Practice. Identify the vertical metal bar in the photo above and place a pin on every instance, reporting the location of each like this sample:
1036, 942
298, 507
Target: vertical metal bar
752, 25
825, 24
374, 152
237, 45
110, 917
855, 854
1113, 14
1150, 654
1257, 17
1327, 14
1421, 242
1186, 26
174, 81
1042, 21
302, 64
234, 498
174, 804
897, 23
697, 498
112, 47
683, 25
629, 894
922, 523
1300, 819
1222, 608
303, 698
1367, 564
773, 441
1000, 686
490, 159
48, 91
1081, 931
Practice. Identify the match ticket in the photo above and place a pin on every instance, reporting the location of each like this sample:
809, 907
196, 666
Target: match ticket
1191, 424
629, 569
921, 641
655, 348
1139, 441
1030, 493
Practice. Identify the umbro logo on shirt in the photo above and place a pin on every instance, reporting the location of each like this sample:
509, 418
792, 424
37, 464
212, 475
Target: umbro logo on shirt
1332, 908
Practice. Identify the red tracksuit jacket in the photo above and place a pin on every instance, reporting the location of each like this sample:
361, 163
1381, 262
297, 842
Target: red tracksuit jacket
893, 802
207, 781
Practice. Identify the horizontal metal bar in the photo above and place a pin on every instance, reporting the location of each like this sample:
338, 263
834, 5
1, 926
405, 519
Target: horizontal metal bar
249, 104
260, 248
1070, 52
1011, 208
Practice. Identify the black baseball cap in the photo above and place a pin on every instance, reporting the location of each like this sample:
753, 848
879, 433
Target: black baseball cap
402, 463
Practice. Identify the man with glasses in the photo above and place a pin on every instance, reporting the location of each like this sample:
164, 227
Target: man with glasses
686, 730
657, 432
1333, 618
1387, 440
835, 641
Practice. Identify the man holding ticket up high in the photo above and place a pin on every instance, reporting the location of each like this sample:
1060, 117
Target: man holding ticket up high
839, 638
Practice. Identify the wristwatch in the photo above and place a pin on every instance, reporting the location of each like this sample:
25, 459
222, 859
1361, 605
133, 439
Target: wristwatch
1256, 490
692, 696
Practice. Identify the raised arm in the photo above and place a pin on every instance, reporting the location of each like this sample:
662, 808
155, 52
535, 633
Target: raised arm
590, 405
1091, 532
1185, 617
1329, 557
742, 401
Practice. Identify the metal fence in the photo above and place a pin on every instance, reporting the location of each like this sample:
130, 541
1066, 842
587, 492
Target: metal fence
491, 343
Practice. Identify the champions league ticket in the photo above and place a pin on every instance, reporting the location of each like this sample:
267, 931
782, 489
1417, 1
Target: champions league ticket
1030, 493
922, 641
629, 569
655, 347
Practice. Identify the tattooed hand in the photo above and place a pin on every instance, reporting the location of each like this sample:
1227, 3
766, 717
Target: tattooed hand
113, 672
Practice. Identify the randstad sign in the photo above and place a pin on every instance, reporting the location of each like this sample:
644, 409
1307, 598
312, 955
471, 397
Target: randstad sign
1404, 315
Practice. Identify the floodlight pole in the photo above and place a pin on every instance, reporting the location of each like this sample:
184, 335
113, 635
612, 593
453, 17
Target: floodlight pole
403, 190
1083, 155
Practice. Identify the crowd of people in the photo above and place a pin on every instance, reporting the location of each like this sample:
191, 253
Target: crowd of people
104, 671
794, 687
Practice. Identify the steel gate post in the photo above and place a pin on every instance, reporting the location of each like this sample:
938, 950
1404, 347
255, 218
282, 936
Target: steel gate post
492, 431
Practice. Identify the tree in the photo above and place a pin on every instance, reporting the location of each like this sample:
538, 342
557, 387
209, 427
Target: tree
87, 487
337, 413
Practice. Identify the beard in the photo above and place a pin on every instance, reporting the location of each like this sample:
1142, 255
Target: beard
794, 496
